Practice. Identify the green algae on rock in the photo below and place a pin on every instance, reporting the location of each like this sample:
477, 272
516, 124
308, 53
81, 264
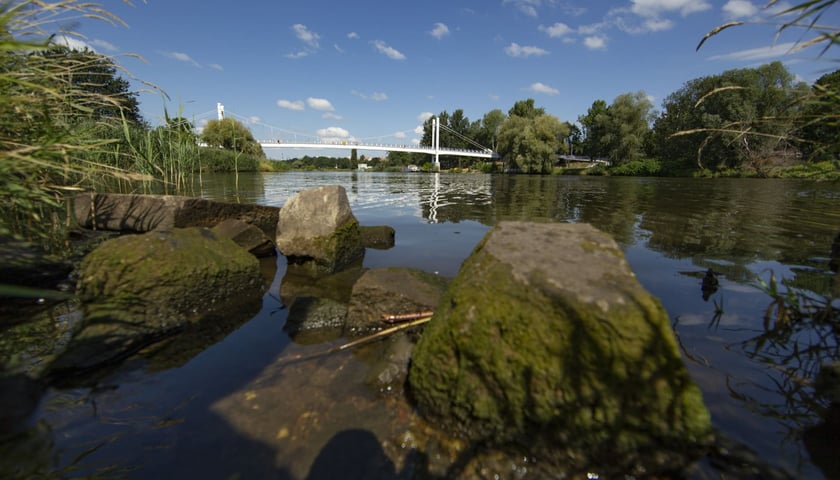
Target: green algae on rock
139, 288
546, 342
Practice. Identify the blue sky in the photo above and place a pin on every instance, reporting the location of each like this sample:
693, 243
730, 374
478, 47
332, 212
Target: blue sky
372, 70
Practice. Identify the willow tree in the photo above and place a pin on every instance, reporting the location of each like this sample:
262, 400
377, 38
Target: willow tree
231, 135
531, 143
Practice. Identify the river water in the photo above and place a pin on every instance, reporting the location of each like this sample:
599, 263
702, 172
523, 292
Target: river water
240, 408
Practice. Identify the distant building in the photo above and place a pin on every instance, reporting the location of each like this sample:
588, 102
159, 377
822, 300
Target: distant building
412, 168
364, 166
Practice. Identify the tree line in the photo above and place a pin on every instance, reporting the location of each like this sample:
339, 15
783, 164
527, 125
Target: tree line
747, 120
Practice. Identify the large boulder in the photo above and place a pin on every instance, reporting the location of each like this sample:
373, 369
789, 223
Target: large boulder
547, 343
317, 227
138, 289
142, 213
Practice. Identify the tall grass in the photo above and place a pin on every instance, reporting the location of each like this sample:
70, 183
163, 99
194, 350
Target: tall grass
43, 155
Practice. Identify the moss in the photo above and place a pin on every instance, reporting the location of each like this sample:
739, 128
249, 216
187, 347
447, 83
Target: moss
522, 361
340, 247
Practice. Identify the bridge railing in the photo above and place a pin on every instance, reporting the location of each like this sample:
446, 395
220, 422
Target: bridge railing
361, 146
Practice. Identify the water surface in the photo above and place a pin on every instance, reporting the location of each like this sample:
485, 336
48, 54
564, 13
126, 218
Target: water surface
242, 408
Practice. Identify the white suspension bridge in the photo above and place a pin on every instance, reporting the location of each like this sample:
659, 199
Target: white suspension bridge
436, 150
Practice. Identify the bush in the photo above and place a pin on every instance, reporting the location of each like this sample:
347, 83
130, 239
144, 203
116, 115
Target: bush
637, 168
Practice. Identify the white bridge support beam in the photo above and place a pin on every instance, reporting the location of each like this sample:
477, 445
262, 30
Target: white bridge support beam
436, 143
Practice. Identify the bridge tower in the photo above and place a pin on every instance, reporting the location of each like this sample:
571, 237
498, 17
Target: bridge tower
220, 111
436, 143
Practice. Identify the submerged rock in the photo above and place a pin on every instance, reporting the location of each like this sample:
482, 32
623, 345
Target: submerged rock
380, 237
246, 236
391, 291
137, 289
317, 227
547, 343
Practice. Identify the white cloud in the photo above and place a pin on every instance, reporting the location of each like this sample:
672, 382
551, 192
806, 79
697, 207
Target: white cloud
216, 66
181, 57
557, 30
595, 42
297, 105
739, 9
419, 130
319, 104
333, 132
591, 29
400, 135
424, 116
299, 54
656, 8
528, 7
71, 43
516, 50
337, 48
353, 36
305, 35
415, 141
332, 116
543, 88
104, 45
375, 96
389, 52
440, 31
254, 120
657, 24
762, 53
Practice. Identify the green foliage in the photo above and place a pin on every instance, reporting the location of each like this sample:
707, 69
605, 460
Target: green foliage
639, 168
231, 135
742, 117
593, 129
531, 143
221, 160
625, 125
88, 78
42, 140
525, 109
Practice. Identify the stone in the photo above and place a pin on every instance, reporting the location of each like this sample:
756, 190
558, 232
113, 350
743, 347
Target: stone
380, 237
547, 343
137, 289
391, 291
317, 226
246, 236
143, 213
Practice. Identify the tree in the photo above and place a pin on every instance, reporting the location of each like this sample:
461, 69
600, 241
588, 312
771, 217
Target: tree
489, 128
525, 109
626, 124
89, 77
820, 129
593, 126
231, 135
531, 144
574, 139
742, 117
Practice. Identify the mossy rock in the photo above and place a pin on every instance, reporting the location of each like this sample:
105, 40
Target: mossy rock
547, 342
137, 289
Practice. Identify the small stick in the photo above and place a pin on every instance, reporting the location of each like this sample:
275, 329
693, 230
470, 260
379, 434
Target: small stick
403, 317
360, 341
387, 331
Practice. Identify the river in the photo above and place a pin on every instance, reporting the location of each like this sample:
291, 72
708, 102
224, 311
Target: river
241, 409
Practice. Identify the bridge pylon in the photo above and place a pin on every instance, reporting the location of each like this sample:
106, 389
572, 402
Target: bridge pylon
436, 143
